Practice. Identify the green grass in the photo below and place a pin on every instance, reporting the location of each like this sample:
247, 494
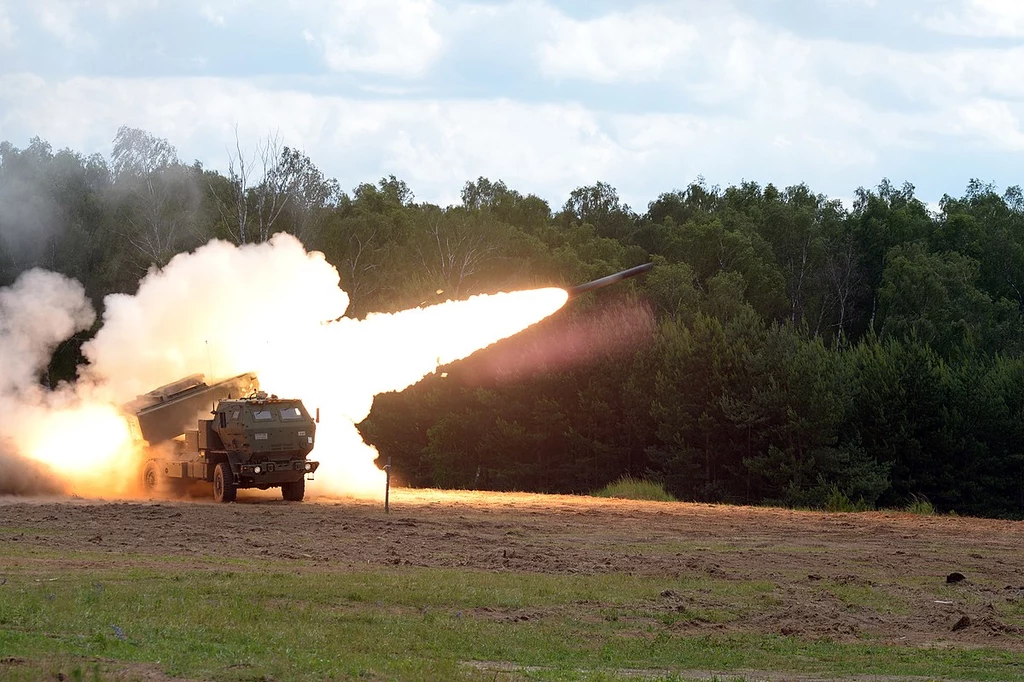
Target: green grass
630, 488
250, 623
919, 504
1012, 609
838, 501
864, 597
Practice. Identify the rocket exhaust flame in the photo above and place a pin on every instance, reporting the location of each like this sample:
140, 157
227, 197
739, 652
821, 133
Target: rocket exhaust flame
272, 324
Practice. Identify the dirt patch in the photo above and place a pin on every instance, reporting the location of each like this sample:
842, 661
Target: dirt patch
68, 668
501, 670
879, 577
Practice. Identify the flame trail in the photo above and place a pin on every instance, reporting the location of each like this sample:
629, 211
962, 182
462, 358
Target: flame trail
224, 310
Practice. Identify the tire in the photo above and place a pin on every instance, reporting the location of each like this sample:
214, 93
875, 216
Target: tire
294, 491
155, 483
151, 479
224, 489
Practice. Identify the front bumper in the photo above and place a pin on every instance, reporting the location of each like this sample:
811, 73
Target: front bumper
276, 472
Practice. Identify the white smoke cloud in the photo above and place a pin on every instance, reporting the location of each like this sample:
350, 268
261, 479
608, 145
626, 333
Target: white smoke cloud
37, 312
220, 310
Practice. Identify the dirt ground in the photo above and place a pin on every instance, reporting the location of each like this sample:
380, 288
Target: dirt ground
895, 565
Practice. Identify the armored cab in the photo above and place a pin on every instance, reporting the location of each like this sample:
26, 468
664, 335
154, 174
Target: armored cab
266, 440
253, 440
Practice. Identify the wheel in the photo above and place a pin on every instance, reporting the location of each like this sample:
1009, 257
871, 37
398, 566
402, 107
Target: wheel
156, 483
223, 483
150, 478
294, 491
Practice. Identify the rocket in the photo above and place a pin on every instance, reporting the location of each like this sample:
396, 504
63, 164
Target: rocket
581, 289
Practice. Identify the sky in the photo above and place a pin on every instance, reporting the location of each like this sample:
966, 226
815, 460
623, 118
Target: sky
545, 95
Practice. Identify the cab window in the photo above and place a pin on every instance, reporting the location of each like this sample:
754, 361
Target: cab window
262, 415
290, 413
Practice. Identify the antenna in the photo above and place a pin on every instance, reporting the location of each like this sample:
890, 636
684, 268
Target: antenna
209, 358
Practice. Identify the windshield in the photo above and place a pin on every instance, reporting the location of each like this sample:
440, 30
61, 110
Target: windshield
262, 415
290, 413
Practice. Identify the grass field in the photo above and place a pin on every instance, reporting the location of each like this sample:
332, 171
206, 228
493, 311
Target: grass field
238, 623
73, 612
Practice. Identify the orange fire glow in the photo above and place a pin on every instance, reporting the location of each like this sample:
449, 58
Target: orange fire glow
89, 448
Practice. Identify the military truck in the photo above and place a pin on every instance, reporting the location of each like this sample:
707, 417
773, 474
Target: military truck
253, 440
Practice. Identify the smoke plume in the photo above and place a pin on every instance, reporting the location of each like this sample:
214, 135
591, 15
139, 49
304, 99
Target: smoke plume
39, 311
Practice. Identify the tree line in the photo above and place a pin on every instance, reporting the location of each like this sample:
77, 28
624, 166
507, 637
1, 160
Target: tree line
785, 348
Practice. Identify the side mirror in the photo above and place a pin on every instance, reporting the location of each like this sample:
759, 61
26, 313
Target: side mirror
318, 415
223, 420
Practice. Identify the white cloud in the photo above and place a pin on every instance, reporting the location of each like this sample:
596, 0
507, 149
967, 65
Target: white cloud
983, 18
66, 20
387, 37
117, 9
6, 28
714, 54
548, 149
635, 46
210, 13
994, 121
60, 20
435, 145
994, 72
792, 86
742, 99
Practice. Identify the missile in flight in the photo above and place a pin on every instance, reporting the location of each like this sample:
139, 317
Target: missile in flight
581, 289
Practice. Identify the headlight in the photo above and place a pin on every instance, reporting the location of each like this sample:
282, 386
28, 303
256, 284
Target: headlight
257, 470
308, 466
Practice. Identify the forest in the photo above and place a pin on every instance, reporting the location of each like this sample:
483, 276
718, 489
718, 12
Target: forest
785, 348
